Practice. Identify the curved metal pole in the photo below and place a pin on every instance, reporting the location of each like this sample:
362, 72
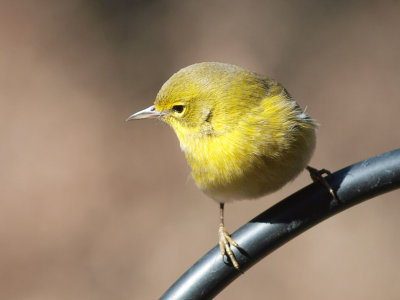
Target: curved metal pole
287, 219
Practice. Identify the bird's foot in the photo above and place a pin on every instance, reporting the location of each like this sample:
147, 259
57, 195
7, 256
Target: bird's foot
225, 243
318, 176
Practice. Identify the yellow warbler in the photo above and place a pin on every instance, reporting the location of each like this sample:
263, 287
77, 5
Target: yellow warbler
242, 133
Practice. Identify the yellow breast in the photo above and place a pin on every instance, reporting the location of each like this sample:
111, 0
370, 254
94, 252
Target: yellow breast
268, 146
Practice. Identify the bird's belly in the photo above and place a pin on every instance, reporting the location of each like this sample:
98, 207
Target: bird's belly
230, 173
252, 182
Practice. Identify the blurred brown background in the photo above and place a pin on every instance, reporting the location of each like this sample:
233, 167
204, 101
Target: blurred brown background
92, 207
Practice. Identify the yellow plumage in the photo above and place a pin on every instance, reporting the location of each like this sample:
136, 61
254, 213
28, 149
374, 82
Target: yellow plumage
242, 133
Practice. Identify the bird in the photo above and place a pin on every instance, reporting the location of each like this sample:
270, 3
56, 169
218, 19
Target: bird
244, 136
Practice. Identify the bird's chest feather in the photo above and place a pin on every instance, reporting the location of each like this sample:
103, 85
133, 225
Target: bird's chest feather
218, 158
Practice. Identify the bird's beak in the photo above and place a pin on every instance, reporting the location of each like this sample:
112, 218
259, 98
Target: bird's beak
148, 113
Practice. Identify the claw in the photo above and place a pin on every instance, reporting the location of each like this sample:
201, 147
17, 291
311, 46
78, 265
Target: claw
225, 243
317, 176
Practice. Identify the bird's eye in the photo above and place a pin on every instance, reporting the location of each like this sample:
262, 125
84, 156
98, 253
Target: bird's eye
178, 108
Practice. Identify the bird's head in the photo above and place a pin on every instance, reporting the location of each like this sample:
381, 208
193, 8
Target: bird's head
205, 99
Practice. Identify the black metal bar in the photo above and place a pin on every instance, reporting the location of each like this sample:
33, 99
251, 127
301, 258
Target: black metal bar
287, 219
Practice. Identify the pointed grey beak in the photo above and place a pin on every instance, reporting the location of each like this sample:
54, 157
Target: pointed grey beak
148, 113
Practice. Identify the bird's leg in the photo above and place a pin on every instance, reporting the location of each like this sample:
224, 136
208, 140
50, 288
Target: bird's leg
317, 176
225, 240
